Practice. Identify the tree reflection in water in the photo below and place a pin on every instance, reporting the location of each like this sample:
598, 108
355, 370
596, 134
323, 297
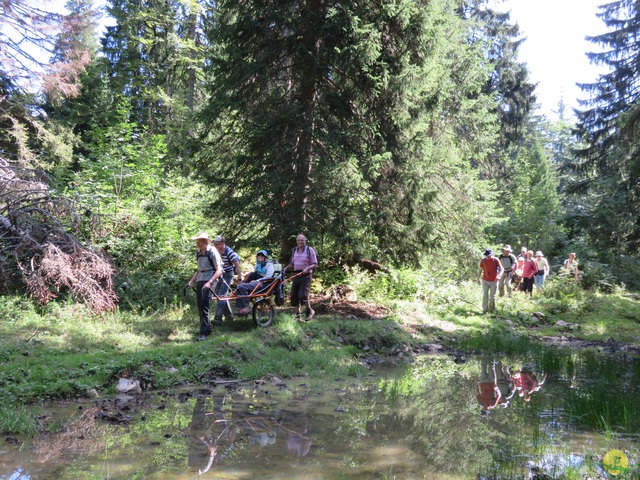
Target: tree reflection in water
421, 420
222, 430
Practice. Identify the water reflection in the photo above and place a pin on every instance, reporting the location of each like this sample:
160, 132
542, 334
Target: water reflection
494, 385
527, 383
413, 422
216, 430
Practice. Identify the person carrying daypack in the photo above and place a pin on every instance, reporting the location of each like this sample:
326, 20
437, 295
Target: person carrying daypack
304, 262
208, 271
509, 264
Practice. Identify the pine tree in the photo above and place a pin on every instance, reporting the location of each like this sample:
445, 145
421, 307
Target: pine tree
535, 212
508, 81
609, 123
343, 119
155, 58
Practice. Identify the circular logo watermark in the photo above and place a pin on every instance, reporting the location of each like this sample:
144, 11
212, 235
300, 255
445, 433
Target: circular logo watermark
615, 462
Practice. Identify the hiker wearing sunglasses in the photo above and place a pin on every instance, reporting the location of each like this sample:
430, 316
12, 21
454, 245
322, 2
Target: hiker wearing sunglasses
263, 272
529, 271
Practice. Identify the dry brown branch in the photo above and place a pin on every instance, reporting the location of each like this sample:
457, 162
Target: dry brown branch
40, 245
85, 436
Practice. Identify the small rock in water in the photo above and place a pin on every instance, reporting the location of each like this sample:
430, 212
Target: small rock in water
92, 393
128, 385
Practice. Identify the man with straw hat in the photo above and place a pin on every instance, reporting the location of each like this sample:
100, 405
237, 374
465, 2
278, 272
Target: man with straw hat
209, 270
509, 263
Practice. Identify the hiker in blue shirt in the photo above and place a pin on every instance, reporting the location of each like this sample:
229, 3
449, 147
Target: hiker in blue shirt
230, 265
208, 272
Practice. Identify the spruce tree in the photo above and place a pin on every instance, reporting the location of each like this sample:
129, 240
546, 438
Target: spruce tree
342, 119
609, 122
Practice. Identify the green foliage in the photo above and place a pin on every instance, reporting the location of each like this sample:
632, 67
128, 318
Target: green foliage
608, 124
534, 210
346, 143
17, 421
597, 275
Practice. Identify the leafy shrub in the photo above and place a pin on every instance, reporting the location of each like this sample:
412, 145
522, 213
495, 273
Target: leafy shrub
597, 275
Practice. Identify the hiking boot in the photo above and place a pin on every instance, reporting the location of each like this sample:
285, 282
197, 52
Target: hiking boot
298, 317
202, 337
310, 313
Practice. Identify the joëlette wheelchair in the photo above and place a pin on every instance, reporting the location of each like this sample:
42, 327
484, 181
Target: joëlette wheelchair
268, 293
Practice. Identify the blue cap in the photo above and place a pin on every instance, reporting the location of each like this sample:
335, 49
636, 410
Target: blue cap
262, 252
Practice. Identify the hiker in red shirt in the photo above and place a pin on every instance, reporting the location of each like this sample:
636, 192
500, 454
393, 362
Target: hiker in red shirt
488, 276
529, 270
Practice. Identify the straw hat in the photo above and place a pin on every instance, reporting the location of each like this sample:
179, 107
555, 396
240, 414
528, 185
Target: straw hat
201, 235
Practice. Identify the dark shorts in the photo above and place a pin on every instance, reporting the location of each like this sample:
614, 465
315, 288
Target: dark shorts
300, 289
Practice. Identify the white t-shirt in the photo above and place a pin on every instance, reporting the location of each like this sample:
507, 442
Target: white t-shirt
569, 266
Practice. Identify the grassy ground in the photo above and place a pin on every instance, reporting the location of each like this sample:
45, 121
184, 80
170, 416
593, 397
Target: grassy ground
63, 351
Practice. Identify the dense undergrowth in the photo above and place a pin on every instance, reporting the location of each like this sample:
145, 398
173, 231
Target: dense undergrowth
64, 351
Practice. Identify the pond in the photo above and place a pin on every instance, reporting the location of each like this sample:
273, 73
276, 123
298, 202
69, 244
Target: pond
558, 416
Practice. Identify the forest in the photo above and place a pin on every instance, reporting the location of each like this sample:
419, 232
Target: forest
398, 134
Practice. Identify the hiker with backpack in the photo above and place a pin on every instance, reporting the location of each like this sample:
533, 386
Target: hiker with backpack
529, 271
509, 264
488, 276
208, 271
264, 270
303, 262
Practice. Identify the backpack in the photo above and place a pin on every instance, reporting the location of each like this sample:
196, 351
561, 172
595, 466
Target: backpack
211, 256
279, 294
277, 267
512, 258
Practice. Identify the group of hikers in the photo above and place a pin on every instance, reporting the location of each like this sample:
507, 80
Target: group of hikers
219, 263
511, 273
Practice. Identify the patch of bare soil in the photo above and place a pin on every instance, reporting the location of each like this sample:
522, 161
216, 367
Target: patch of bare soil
349, 309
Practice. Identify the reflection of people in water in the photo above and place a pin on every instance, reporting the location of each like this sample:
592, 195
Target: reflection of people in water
298, 443
260, 432
526, 383
495, 386
205, 441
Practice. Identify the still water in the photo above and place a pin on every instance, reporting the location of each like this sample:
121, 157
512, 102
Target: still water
437, 417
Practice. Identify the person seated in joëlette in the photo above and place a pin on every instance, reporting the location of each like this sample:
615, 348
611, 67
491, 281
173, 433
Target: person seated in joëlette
264, 271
